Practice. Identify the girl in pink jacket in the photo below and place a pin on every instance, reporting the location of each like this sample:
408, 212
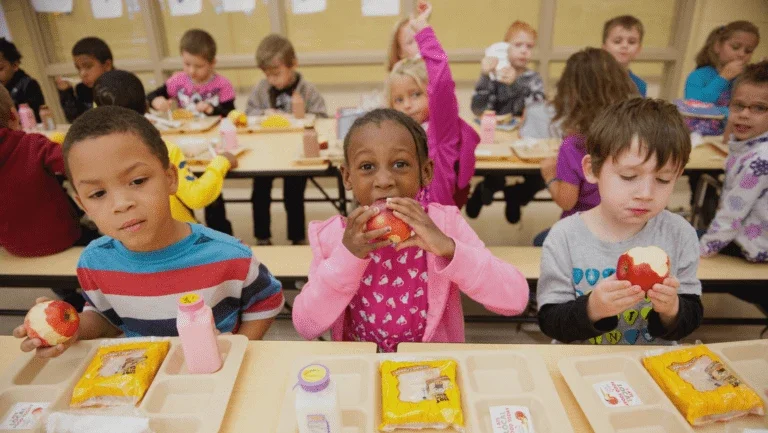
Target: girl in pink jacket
424, 90
364, 289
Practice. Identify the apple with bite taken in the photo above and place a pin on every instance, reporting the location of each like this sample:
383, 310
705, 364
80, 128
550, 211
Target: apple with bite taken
386, 218
643, 266
53, 322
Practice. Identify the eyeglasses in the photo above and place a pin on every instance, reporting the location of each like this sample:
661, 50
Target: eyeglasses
755, 109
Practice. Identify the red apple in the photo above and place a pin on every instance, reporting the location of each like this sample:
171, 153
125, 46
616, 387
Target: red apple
53, 322
643, 266
386, 218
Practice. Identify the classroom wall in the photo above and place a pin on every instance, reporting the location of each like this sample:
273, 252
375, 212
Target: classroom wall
460, 24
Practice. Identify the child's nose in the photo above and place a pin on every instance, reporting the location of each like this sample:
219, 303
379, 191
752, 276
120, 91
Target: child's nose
384, 179
646, 190
121, 203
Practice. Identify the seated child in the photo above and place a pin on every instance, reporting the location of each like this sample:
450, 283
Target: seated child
577, 107
623, 38
23, 88
515, 88
739, 227
284, 90
198, 88
722, 58
364, 289
36, 217
133, 277
424, 89
124, 89
635, 168
402, 44
92, 58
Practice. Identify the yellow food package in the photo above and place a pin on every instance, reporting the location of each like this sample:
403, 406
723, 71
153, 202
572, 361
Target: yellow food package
238, 118
419, 395
275, 121
120, 373
182, 114
702, 388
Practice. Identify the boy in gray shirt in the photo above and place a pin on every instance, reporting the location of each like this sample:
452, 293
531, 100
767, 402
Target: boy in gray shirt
637, 149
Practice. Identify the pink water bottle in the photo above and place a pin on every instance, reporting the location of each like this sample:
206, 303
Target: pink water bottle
488, 127
228, 136
28, 122
198, 336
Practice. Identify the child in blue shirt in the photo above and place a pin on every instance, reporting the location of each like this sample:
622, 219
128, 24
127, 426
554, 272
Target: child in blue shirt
727, 50
623, 38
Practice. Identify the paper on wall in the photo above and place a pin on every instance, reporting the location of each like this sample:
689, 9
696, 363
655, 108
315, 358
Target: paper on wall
381, 8
301, 7
5, 31
52, 6
181, 8
246, 6
103, 9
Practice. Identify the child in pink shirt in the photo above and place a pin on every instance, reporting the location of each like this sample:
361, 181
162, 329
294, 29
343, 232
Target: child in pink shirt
364, 289
424, 90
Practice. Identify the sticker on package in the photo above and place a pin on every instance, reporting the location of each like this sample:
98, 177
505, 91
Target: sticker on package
616, 393
23, 416
511, 419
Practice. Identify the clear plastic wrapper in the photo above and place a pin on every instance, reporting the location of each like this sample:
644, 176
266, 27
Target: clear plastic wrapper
702, 388
419, 395
120, 373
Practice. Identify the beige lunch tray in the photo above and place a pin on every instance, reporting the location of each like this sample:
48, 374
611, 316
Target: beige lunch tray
176, 401
493, 152
748, 361
206, 157
485, 378
192, 126
540, 150
254, 125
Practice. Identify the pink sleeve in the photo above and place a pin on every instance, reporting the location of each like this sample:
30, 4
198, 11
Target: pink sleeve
333, 282
496, 284
226, 91
441, 90
173, 84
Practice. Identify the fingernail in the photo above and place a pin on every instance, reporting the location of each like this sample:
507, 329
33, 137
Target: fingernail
389, 229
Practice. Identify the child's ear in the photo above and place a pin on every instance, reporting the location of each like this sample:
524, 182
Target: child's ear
14, 121
108, 65
346, 177
172, 176
427, 172
213, 63
586, 167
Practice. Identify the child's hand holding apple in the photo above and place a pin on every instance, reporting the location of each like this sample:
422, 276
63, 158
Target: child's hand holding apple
50, 327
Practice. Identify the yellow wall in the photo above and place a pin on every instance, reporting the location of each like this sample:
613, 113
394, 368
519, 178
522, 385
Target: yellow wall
460, 24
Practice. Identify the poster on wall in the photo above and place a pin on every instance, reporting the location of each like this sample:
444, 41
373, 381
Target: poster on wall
302, 7
180, 8
381, 8
5, 31
52, 6
104, 9
246, 6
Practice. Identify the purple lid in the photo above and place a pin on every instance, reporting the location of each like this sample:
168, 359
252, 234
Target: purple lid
314, 377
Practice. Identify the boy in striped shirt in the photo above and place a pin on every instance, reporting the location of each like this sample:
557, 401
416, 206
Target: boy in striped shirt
132, 277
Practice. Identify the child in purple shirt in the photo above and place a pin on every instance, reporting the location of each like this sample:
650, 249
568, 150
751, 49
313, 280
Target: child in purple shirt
576, 107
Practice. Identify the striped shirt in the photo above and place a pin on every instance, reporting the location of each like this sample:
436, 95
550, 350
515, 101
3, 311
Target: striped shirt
138, 291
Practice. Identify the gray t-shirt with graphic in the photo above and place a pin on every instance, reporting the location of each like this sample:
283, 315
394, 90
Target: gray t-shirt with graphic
574, 260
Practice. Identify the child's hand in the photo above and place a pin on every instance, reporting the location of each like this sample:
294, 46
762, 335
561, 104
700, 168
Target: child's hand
62, 84
30, 344
612, 297
488, 65
422, 19
356, 239
549, 168
204, 107
507, 75
161, 104
427, 236
231, 158
732, 69
665, 300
